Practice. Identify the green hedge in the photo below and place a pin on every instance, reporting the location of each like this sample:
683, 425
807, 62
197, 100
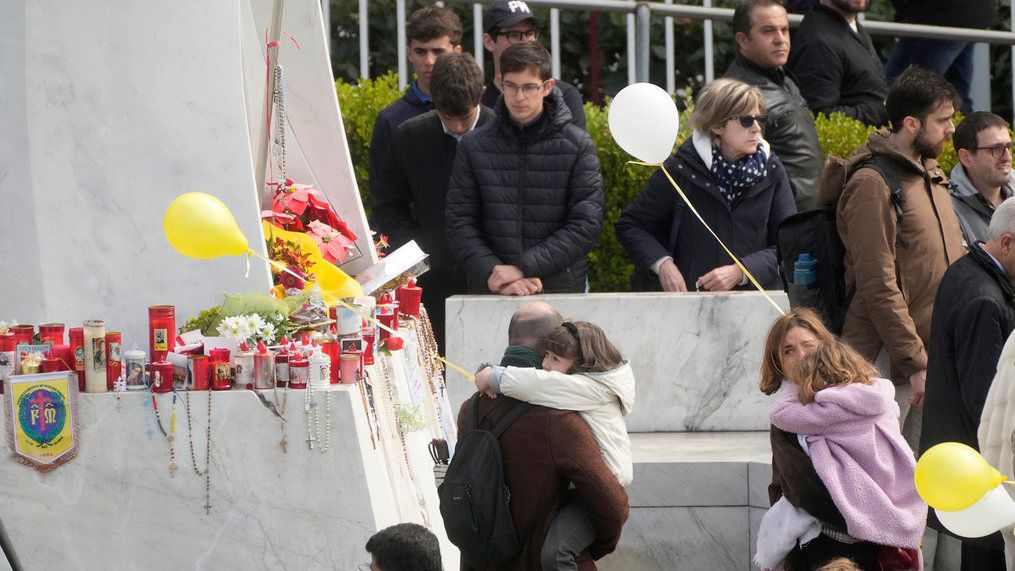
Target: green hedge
610, 269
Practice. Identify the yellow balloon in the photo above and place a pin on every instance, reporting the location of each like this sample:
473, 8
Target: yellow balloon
200, 226
952, 476
335, 283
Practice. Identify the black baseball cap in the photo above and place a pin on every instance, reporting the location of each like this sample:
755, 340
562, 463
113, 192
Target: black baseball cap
503, 14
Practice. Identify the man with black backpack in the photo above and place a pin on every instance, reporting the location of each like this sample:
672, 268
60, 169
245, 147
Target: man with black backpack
513, 467
900, 234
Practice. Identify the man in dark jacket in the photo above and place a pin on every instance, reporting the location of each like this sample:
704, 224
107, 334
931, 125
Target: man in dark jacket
525, 204
836, 64
508, 23
431, 32
544, 452
409, 194
761, 30
982, 179
974, 313
950, 58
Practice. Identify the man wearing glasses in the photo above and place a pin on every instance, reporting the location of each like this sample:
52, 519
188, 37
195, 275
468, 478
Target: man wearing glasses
983, 179
506, 24
525, 202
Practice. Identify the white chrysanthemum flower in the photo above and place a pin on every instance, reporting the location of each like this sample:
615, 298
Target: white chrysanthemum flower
267, 332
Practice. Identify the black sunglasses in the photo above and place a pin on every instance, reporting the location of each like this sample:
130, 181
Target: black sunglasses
746, 121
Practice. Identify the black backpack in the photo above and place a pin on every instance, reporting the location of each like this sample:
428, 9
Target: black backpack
815, 232
475, 500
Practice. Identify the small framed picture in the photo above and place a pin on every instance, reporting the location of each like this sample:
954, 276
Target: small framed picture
351, 345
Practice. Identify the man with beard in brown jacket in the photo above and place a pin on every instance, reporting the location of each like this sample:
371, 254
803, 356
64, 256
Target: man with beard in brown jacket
895, 258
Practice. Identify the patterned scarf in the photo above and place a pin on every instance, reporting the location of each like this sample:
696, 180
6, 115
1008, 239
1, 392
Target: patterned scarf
735, 178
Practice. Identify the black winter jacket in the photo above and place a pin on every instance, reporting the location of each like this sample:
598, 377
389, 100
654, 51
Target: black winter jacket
659, 224
531, 198
838, 70
980, 14
790, 128
974, 313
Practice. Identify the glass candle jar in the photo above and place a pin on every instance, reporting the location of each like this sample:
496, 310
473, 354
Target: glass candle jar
77, 346
51, 333
7, 357
244, 369
299, 372
199, 372
264, 370
282, 369
95, 356
23, 334
113, 357
221, 369
161, 331
133, 361
408, 298
330, 349
348, 365
368, 345
162, 376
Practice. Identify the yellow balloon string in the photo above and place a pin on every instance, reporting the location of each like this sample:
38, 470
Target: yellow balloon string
714, 235
283, 268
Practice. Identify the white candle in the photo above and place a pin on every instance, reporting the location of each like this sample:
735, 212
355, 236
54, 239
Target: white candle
95, 356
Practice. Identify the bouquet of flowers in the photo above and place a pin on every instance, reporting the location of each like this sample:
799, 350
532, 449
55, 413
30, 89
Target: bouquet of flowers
250, 328
303, 208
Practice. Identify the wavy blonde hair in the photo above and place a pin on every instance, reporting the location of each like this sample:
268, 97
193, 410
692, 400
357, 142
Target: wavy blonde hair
832, 364
771, 365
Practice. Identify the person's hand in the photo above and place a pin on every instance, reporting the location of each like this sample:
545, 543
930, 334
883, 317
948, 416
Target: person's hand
670, 277
524, 286
483, 382
503, 275
918, 381
723, 278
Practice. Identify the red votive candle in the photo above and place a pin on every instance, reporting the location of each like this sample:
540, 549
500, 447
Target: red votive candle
77, 346
51, 365
64, 355
199, 372
389, 320
330, 348
161, 331
51, 333
368, 345
408, 298
113, 357
23, 334
221, 369
162, 377
299, 371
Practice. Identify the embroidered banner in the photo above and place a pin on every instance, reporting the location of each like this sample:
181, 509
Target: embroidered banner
41, 417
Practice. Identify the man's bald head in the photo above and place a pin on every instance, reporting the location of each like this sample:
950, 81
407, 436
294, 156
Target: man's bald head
531, 324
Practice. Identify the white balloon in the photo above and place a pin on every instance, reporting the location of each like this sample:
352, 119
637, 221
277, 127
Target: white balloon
644, 121
994, 511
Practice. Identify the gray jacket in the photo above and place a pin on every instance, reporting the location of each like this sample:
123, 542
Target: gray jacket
790, 128
973, 210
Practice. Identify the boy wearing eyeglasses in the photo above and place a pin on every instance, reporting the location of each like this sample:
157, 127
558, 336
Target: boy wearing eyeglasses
983, 179
506, 24
525, 202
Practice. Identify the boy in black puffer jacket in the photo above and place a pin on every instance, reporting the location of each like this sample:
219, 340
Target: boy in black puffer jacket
525, 202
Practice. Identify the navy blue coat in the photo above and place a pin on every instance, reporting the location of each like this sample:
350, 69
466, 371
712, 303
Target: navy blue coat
658, 223
388, 120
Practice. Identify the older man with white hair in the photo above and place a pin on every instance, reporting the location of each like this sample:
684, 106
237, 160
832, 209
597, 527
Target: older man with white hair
974, 313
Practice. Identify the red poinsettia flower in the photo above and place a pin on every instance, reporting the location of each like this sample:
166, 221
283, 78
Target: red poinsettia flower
294, 198
283, 220
334, 245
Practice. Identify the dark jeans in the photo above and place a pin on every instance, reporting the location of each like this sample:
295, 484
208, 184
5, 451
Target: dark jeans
570, 533
953, 60
981, 559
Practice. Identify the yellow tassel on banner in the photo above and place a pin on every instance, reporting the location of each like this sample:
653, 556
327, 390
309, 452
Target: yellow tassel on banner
736, 260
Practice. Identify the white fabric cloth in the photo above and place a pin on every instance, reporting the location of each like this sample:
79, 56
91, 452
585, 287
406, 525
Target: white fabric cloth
603, 400
782, 528
997, 428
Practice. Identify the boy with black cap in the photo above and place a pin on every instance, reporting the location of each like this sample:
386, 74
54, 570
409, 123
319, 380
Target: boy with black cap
508, 23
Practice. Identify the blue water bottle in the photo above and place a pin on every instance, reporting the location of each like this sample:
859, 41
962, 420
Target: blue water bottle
805, 271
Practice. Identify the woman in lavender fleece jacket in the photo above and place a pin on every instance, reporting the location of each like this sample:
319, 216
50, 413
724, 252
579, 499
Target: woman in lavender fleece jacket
847, 422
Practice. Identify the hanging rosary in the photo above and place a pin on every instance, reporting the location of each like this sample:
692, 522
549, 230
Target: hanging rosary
171, 436
284, 443
278, 98
207, 458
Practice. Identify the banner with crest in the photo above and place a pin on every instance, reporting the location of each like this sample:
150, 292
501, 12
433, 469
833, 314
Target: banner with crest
41, 413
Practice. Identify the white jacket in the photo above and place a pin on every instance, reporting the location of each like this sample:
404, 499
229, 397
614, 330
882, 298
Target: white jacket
997, 427
603, 400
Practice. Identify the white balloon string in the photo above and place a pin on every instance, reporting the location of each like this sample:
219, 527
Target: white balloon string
714, 235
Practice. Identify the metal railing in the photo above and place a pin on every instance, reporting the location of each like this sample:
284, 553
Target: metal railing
639, 22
